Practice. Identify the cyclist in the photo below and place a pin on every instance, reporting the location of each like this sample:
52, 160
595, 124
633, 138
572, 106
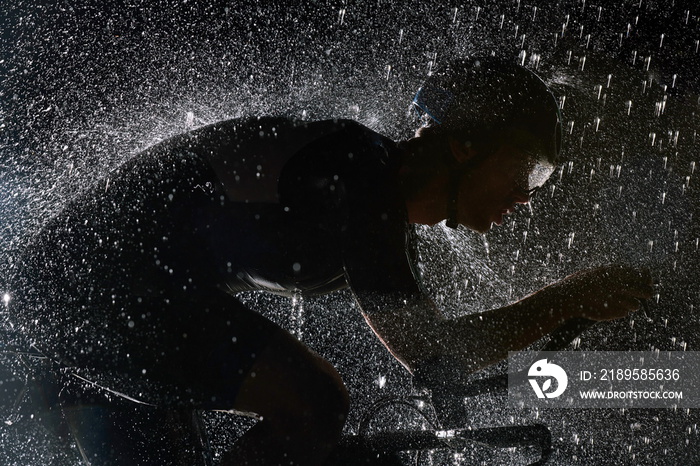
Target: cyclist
132, 287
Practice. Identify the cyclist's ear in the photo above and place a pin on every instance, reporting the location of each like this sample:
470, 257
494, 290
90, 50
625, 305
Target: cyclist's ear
462, 151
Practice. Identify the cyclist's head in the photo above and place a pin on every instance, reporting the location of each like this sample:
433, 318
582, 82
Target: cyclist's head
486, 104
490, 103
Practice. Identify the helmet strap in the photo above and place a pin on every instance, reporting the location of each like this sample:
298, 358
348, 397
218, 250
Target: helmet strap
453, 198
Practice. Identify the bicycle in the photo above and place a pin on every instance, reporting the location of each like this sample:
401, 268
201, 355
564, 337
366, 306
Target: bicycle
437, 390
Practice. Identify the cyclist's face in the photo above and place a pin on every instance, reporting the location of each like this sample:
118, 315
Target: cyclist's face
494, 187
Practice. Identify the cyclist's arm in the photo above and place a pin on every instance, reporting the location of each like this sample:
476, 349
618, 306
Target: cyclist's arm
415, 333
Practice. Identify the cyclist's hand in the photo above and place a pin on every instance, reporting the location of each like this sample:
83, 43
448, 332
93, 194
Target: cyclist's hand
605, 293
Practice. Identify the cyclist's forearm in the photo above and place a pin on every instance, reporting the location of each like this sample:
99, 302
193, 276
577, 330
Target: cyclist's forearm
416, 333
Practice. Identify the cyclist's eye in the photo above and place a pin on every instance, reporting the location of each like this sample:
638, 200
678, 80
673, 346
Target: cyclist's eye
531, 192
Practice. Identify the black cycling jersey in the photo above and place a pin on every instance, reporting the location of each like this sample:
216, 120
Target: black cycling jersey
128, 279
304, 203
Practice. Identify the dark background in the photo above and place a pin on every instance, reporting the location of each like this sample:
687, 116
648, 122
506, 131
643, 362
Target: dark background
85, 85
